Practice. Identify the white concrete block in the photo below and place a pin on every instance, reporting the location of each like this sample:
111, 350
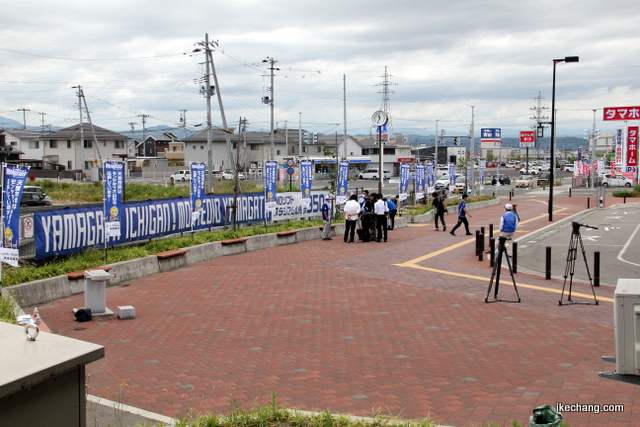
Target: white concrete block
126, 312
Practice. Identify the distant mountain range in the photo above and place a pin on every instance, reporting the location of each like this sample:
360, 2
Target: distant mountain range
570, 143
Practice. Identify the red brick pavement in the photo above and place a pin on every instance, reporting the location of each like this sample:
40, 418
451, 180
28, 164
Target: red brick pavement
354, 327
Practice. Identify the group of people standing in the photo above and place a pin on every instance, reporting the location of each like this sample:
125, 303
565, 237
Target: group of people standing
373, 215
370, 217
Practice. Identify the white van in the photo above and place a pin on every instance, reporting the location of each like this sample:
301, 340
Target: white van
373, 174
183, 175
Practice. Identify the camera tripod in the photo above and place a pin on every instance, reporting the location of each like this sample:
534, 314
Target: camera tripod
576, 239
497, 268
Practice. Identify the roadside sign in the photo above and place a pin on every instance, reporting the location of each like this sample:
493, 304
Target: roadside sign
527, 139
621, 113
290, 171
290, 163
27, 227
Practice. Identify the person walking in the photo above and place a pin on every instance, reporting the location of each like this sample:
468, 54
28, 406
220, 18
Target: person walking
462, 216
440, 208
326, 217
380, 208
351, 211
393, 209
508, 222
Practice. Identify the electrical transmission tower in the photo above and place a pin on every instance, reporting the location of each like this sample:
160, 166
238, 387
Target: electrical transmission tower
386, 103
539, 116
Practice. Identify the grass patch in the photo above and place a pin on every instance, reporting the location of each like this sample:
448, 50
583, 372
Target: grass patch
273, 415
7, 310
635, 192
35, 270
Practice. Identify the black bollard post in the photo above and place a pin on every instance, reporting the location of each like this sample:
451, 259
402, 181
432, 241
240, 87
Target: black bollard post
481, 253
490, 230
588, 202
547, 265
477, 242
596, 268
569, 191
509, 195
624, 199
514, 256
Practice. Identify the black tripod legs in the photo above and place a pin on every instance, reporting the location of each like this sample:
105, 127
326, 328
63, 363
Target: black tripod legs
495, 274
572, 254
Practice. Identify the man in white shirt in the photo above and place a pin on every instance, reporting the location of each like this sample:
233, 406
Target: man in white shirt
380, 208
351, 211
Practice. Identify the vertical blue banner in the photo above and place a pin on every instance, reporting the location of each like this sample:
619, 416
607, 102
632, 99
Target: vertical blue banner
481, 177
419, 181
405, 168
113, 190
198, 177
343, 182
270, 176
431, 181
452, 175
469, 176
14, 179
305, 182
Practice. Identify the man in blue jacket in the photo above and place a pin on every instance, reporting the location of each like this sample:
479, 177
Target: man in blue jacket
326, 217
462, 216
508, 222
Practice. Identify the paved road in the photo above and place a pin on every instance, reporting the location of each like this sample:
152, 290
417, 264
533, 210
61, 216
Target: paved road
400, 326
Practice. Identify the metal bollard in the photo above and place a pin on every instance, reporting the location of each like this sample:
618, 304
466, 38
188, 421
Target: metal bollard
547, 265
490, 230
588, 202
509, 195
481, 253
569, 191
514, 256
624, 199
477, 242
596, 268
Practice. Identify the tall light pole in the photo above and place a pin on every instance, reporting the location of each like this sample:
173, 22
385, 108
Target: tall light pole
269, 101
553, 128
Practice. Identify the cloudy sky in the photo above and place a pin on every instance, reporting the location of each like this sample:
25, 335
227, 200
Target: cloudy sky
136, 57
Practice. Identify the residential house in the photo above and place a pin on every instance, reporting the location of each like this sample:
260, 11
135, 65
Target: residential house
65, 148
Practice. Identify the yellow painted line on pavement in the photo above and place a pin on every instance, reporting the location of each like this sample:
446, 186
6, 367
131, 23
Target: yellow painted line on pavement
484, 279
414, 264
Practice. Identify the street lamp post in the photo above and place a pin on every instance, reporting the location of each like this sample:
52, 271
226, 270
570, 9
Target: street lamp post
553, 128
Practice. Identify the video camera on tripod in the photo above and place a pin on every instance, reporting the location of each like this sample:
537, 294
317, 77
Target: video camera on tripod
576, 226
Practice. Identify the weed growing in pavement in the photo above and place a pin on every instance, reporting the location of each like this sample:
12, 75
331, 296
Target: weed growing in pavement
7, 308
273, 415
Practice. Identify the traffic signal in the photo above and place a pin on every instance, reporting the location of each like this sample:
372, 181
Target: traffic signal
315, 137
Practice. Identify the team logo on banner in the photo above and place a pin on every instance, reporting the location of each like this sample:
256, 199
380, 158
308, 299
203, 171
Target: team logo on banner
198, 177
270, 172
14, 179
343, 182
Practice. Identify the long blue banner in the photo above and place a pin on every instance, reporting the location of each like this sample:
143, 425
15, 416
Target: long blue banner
14, 179
66, 231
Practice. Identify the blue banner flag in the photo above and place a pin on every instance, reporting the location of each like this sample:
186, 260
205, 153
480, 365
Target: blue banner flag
14, 179
452, 175
305, 180
198, 177
270, 175
419, 181
343, 182
403, 182
431, 181
113, 191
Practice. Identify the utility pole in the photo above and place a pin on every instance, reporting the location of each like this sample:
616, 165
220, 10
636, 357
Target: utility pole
344, 108
269, 100
473, 153
24, 116
79, 87
144, 125
183, 122
286, 138
435, 153
208, 92
299, 135
386, 107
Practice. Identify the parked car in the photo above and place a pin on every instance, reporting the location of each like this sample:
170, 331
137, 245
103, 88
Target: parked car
183, 175
442, 183
526, 181
38, 190
442, 170
618, 180
461, 185
492, 165
533, 170
33, 199
543, 178
373, 174
502, 179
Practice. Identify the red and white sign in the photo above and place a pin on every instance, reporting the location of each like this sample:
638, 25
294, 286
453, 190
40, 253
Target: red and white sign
527, 139
406, 159
632, 148
621, 113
